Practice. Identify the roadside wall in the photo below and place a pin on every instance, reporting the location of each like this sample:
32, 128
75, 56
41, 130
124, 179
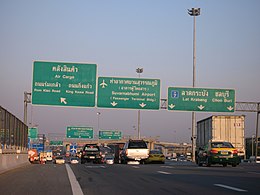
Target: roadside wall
12, 161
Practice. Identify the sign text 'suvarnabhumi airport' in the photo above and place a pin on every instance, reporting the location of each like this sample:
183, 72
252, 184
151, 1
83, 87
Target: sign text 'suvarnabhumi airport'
64, 84
201, 99
128, 93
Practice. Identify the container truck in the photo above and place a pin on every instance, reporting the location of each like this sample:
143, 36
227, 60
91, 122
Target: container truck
227, 128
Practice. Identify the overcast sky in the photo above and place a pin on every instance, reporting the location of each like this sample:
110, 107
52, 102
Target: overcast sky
120, 36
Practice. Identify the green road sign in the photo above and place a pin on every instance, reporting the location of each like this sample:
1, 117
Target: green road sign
107, 134
128, 93
33, 133
64, 84
201, 99
80, 132
56, 143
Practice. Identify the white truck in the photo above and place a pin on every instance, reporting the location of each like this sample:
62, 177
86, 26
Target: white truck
134, 150
228, 128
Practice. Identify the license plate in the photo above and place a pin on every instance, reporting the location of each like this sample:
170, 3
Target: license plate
224, 152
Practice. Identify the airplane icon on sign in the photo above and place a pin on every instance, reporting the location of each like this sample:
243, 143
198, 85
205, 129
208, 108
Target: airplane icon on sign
103, 84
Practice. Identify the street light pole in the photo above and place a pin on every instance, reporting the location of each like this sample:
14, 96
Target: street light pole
139, 71
98, 114
194, 12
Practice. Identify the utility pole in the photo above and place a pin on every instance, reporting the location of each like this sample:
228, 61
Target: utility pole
194, 12
139, 71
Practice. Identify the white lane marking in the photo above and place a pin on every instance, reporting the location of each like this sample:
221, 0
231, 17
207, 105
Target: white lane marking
136, 167
168, 167
230, 188
163, 172
76, 189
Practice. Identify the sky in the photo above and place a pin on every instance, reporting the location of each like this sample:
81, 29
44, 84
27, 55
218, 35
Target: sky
121, 36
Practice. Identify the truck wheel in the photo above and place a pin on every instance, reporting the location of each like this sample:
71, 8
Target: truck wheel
234, 165
225, 164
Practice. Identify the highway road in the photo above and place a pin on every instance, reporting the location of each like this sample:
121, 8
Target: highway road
168, 178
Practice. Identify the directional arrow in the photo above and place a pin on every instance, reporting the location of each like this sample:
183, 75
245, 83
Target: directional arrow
142, 105
201, 107
113, 103
230, 108
171, 106
63, 100
103, 84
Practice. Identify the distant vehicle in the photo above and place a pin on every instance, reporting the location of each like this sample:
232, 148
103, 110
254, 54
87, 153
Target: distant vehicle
33, 155
109, 160
91, 152
218, 152
59, 160
252, 159
134, 150
155, 156
49, 156
74, 160
43, 157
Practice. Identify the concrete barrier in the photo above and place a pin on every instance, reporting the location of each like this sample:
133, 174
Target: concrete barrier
12, 161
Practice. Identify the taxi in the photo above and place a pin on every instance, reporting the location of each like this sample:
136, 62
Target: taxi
155, 156
218, 152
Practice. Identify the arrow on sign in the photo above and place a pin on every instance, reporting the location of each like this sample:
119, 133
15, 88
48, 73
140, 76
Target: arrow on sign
113, 103
142, 105
103, 84
201, 107
171, 106
63, 100
230, 108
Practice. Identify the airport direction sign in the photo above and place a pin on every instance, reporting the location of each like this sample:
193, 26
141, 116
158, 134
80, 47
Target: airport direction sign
64, 84
110, 134
128, 93
80, 132
201, 99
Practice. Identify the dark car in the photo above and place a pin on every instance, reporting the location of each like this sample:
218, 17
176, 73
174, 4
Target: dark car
91, 153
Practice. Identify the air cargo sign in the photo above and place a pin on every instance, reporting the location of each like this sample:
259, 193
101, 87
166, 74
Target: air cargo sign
128, 93
64, 84
201, 99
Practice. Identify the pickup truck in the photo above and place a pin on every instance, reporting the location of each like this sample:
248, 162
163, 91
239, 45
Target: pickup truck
134, 150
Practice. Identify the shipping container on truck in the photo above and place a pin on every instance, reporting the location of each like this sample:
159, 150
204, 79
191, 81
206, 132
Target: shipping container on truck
228, 128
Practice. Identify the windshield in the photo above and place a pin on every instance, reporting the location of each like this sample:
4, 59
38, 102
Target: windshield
91, 148
137, 144
221, 145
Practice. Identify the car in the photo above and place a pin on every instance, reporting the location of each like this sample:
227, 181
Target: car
155, 156
218, 152
59, 160
74, 160
252, 159
91, 153
109, 160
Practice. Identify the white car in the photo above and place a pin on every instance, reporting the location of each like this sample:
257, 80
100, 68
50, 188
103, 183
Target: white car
74, 160
109, 160
59, 160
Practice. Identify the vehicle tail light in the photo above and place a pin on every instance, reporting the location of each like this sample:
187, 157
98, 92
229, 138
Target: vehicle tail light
213, 151
234, 152
126, 151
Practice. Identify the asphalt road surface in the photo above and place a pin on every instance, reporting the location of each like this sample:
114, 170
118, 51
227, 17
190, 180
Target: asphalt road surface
98, 179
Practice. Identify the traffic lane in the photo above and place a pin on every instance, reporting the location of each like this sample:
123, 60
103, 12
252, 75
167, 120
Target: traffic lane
226, 180
36, 179
166, 179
